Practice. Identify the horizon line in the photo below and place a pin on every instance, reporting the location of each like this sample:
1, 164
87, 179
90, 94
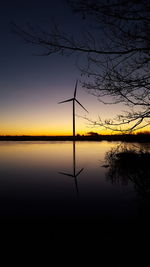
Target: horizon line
77, 135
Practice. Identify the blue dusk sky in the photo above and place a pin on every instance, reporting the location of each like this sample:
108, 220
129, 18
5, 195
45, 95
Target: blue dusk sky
31, 86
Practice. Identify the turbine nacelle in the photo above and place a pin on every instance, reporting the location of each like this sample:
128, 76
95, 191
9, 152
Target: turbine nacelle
74, 98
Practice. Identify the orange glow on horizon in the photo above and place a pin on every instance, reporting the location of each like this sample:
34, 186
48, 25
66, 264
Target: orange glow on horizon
41, 116
62, 133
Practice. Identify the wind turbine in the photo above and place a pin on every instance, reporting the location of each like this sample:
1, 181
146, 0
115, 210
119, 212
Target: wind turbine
73, 101
74, 174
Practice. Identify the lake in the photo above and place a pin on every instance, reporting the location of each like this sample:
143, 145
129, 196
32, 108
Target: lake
65, 181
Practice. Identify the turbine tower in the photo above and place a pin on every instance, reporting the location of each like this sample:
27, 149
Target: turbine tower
73, 101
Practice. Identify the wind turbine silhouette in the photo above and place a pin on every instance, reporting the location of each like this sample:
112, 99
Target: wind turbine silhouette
74, 174
73, 101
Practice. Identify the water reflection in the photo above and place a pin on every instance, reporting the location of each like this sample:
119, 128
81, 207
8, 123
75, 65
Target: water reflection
74, 173
32, 188
130, 165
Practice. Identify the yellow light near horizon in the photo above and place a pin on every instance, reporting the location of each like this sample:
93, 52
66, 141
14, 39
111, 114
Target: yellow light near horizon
52, 127
61, 133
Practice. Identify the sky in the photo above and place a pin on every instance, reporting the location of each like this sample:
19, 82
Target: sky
31, 86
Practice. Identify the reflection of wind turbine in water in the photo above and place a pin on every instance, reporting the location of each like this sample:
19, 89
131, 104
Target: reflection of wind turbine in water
74, 175
73, 100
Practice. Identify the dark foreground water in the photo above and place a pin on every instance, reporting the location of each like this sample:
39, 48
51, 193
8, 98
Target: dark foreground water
62, 181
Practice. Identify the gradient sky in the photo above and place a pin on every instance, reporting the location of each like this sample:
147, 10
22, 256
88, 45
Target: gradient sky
30, 86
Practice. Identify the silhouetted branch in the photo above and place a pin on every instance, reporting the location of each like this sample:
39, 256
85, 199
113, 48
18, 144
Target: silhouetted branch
115, 48
130, 165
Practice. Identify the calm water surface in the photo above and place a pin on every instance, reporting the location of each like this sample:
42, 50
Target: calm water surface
62, 181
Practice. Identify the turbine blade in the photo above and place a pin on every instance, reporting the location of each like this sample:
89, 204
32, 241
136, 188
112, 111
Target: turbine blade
67, 174
75, 90
81, 105
79, 172
68, 100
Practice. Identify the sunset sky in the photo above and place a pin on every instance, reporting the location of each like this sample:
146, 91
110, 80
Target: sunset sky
31, 86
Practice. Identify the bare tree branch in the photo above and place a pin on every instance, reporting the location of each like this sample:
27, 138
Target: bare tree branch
115, 48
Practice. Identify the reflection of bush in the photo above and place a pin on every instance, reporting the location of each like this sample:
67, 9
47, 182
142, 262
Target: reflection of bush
130, 166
